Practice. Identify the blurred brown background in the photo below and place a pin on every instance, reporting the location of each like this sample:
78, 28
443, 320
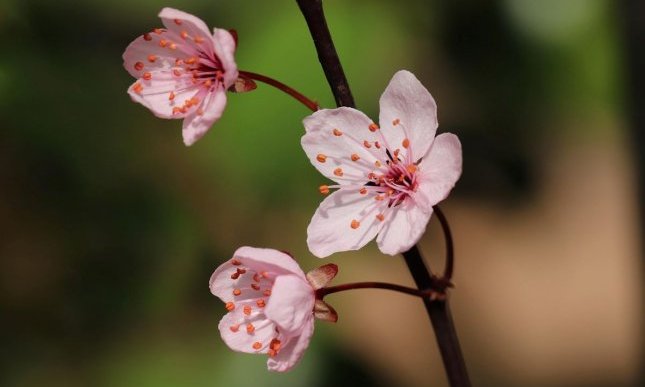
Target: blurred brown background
111, 227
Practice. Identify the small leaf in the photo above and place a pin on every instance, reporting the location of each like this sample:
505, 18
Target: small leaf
321, 276
324, 311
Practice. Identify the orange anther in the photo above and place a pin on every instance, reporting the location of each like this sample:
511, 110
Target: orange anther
264, 274
255, 286
247, 310
178, 61
173, 46
406, 143
373, 127
137, 88
235, 262
379, 197
275, 344
321, 157
260, 303
234, 328
378, 164
198, 39
237, 292
367, 144
147, 37
147, 76
380, 217
256, 277
194, 101
371, 176
267, 293
230, 306
362, 191
324, 189
411, 168
355, 157
355, 224
183, 34
157, 31
178, 22
250, 328
208, 82
163, 42
338, 172
176, 72
257, 345
396, 152
138, 66
176, 110
152, 58
171, 96
241, 270
337, 132
377, 145
396, 121
235, 275
191, 60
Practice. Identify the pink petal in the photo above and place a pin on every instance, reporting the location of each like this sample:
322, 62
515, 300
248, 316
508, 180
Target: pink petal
145, 54
178, 22
225, 50
441, 168
330, 229
403, 227
233, 329
269, 260
155, 94
409, 104
291, 304
294, 349
196, 125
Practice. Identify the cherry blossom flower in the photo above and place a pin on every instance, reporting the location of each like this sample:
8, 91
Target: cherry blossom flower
271, 304
388, 177
183, 71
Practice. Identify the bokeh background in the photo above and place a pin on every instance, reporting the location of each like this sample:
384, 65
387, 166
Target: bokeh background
110, 227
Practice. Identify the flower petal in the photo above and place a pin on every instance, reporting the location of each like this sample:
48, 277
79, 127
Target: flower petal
155, 94
403, 227
440, 168
294, 349
233, 329
196, 125
291, 304
185, 28
147, 54
345, 220
269, 260
225, 50
408, 111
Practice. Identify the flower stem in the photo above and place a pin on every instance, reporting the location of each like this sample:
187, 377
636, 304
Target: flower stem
450, 251
311, 105
438, 311
322, 292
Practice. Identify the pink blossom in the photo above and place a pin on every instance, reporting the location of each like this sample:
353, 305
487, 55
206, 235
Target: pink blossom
183, 71
388, 177
271, 304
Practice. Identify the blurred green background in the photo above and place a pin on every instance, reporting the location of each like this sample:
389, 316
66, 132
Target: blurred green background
111, 227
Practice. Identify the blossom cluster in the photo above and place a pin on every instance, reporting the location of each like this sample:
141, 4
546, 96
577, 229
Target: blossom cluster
387, 176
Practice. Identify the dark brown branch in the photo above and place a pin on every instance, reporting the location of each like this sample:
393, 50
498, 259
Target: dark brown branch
312, 10
450, 249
